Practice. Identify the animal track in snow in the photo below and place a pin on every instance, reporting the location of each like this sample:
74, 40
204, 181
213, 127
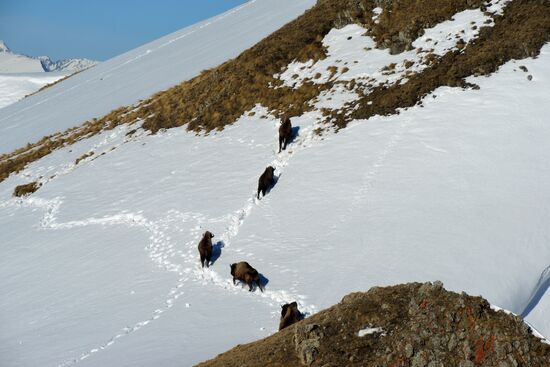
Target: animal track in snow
163, 251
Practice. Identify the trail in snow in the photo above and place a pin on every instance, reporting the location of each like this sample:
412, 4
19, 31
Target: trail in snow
370, 174
164, 252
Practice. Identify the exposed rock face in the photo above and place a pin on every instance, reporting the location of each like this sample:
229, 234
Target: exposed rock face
411, 325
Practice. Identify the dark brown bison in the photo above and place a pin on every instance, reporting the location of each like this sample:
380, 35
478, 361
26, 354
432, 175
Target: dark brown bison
285, 133
205, 248
245, 273
289, 315
266, 181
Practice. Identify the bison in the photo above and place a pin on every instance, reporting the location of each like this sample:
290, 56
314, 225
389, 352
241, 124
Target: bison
289, 315
285, 133
245, 273
205, 248
266, 181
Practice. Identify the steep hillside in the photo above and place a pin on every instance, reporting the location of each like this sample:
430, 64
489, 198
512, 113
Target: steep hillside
14, 87
400, 326
100, 224
487, 35
139, 73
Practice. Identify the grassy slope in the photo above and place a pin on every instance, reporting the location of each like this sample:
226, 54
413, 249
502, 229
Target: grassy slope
218, 96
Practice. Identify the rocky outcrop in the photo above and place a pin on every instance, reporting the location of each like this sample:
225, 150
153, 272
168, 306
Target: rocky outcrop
411, 325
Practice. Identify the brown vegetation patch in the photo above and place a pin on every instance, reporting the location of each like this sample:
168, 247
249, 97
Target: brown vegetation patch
519, 33
83, 156
219, 96
433, 335
27, 189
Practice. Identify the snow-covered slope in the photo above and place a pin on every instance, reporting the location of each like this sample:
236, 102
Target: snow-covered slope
100, 266
14, 63
14, 87
22, 75
137, 74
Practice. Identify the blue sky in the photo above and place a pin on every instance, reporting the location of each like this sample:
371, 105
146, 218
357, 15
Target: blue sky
97, 29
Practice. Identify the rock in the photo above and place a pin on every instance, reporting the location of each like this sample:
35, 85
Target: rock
419, 360
307, 351
448, 332
307, 342
452, 343
409, 351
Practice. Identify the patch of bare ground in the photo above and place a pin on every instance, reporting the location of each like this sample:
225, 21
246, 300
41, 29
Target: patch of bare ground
217, 97
400, 326
519, 33
27, 189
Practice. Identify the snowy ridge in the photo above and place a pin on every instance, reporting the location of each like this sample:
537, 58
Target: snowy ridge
67, 65
11, 62
14, 87
21, 76
4, 47
145, 70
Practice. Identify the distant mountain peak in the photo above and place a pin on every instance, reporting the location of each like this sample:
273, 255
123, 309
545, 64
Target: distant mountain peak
13, 62
71, 65
4, 47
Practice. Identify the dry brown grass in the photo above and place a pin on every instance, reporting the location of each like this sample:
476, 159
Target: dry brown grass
519, 33
83, 156
219, 96
27, 189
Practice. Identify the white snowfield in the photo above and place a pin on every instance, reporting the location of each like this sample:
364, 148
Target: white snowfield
100, 266
14, 87
139, 73
13, 63
22, 75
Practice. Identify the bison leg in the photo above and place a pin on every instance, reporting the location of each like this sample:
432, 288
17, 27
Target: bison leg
250, 287
259, 285
202, 261
285, 143
234, 281
259, 189
280, 143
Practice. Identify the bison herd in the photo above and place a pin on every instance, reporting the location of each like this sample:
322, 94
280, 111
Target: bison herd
243, 271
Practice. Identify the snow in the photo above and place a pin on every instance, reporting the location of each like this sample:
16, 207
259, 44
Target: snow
369, 331
22, 75
139, 73
4, 47
100, 266
14, 87
67, 65
533, 330
376, 14
13, 63
352, 55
